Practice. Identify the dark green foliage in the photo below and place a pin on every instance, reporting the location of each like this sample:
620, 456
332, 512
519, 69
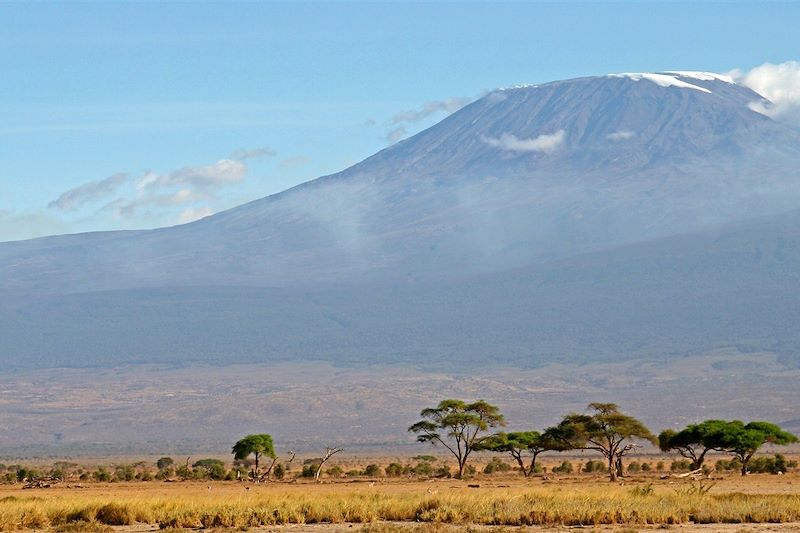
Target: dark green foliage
769, 465
564, 468
309, 469
124, 473
255, 445
334, 471
694, 441
462, 424
210, 468
164, 462
635, 467
423, 469
495, 466
278, 471
101, 474
646, 467
724, 465
593, 466
427, 458
524, 447
444, 472
606, 430
680, 466
394, 470
744, 440
372, 470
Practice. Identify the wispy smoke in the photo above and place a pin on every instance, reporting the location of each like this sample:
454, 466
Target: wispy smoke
254, 153
91, 191
545, 143
400, 121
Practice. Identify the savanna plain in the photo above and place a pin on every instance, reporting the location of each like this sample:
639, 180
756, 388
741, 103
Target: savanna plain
482, 503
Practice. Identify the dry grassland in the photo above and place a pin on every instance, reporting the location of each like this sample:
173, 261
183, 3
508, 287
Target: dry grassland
756, 503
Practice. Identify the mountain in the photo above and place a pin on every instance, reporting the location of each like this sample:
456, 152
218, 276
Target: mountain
599, 218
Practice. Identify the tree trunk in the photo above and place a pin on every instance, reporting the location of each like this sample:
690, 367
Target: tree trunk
612, 468
255, 476
745, 462
462, 463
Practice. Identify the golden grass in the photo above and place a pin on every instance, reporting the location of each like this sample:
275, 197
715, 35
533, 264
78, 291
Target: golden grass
231, 506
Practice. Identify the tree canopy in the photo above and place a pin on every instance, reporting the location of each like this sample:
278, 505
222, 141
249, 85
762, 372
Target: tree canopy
606, 430
256, 445
694, 441
744, 440
521, 445
457, 425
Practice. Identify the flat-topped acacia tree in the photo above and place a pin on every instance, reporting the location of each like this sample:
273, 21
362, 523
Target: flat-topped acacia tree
694, 441
458, 426
743, 440
523, 446
256, 445
606, 430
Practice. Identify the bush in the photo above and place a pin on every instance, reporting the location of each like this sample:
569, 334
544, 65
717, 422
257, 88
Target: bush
564, 468
309, 469
423, 469
209, 468
660, 466
394, 470
680, 466
278, 472
594, 466
183, 472
496, 465
102, 475
335, 471
646, 467
164, 462
768, 465
353, 473
444, 472
634, 467
124, 473
372, 470
725, 466
165, 473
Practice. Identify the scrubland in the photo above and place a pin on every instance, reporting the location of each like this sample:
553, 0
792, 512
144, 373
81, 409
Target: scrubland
384, 505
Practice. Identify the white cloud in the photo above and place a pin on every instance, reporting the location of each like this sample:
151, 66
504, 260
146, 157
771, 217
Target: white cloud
545, 143
780, 84
88, 192
253, 153
223, 172
620, 135
192, 214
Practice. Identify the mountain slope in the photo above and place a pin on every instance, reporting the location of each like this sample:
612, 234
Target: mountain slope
681, 295
520, 176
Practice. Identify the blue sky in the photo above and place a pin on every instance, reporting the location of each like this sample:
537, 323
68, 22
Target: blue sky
136, 115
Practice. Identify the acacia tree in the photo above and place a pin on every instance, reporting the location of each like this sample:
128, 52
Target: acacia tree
607, 431
523, 446
256, 445
744, 440
692, 442
457, 426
